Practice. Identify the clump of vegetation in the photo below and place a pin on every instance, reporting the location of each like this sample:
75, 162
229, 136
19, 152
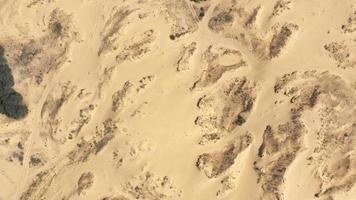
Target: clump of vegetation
198, 1
36, 160
172, 37
239, 120
57, 28
218, 22
60, 25
85, 181
10, 101
215, 164
280, 39
39, 185
201, 13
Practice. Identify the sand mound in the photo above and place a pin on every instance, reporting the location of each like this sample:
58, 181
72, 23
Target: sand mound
218, 119
177, 100
279, 148
214, 164
239, 23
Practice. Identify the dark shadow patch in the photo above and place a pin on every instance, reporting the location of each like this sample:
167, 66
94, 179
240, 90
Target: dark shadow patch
10, 101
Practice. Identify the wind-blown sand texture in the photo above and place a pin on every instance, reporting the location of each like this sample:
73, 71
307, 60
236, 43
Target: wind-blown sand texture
177, 100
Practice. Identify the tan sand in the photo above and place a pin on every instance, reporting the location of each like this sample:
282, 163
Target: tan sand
178, 100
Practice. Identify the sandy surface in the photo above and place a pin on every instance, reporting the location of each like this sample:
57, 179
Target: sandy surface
177, 99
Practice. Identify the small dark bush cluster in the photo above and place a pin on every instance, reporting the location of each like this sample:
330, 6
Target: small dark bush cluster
10, 101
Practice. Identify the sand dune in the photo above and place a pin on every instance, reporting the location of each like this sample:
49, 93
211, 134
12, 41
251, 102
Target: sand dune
177, 100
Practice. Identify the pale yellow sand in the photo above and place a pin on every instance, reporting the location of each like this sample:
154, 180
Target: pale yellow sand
180, 99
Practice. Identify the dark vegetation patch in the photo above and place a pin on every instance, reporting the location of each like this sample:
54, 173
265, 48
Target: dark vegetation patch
172, 37
197, 1
279, 40
216, 163
10, 101
219, 21
39, 185
177, 35
201, 13
36, 160
85, 181
239, 120
17, 156
57, 28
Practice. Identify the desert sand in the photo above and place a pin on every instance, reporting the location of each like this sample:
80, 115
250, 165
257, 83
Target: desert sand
177, 99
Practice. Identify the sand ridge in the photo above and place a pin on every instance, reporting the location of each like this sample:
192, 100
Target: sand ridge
177, 100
